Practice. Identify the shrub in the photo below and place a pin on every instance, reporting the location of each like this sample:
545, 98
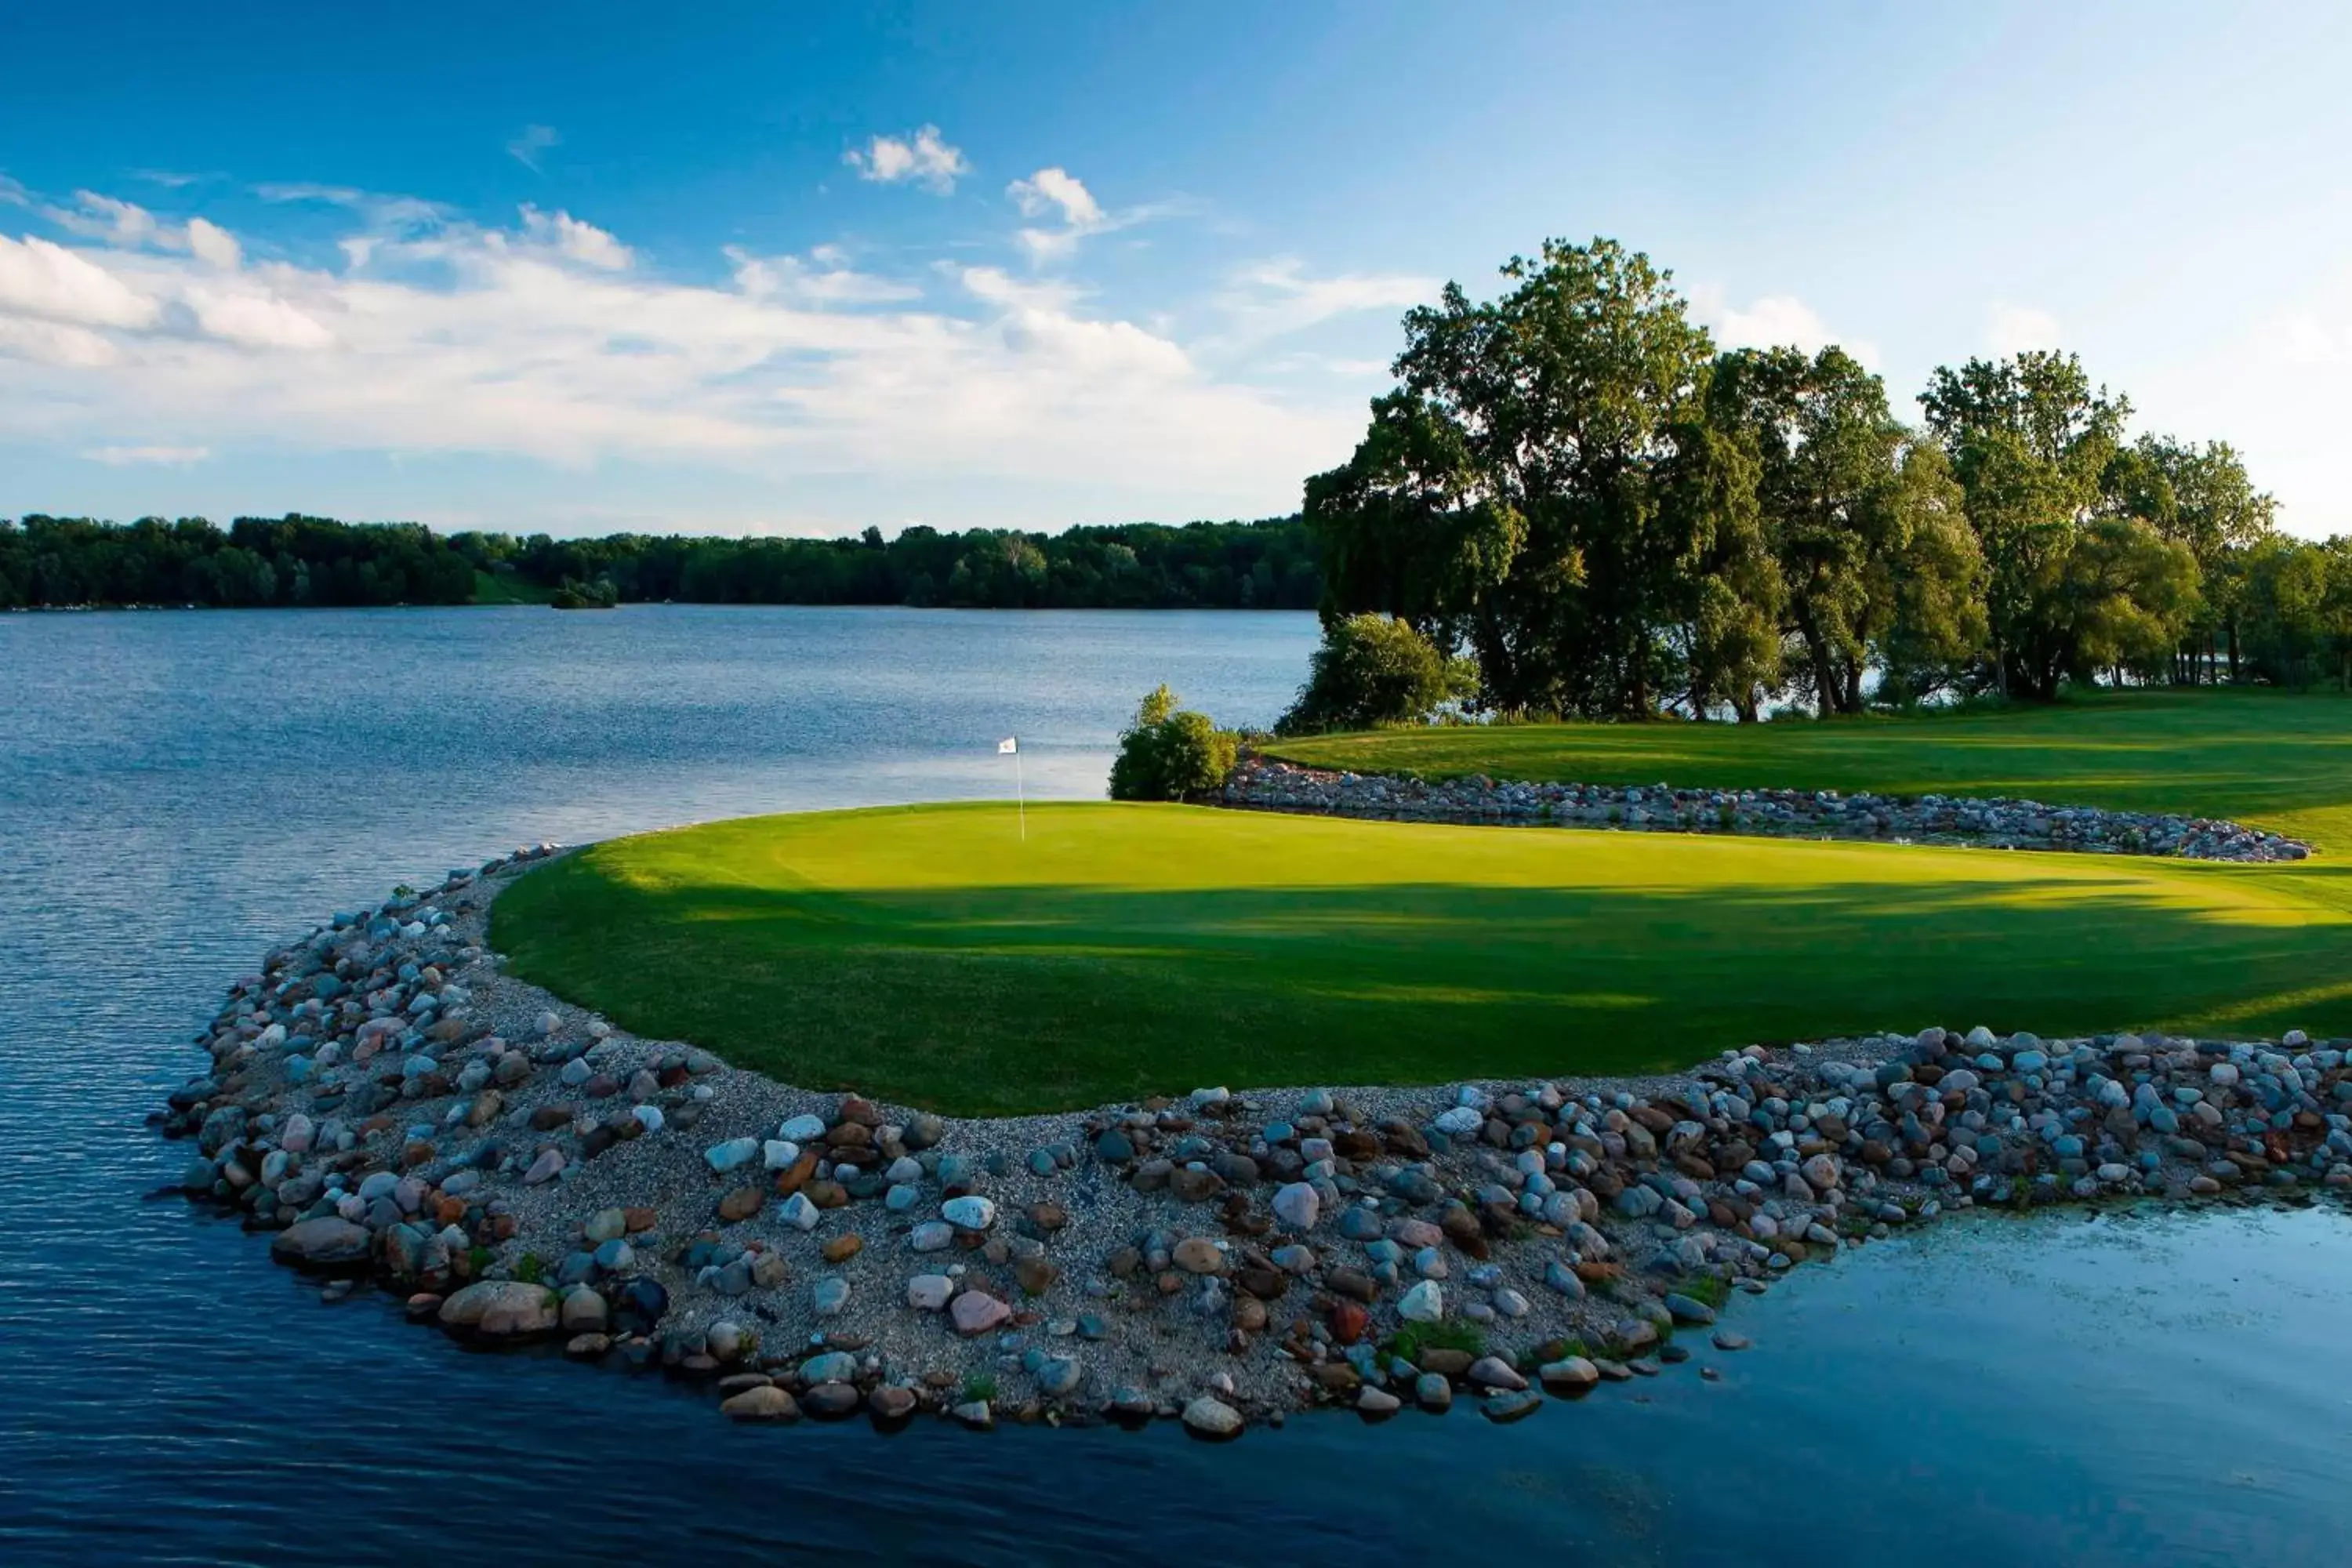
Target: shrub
1169, 754
1372, 670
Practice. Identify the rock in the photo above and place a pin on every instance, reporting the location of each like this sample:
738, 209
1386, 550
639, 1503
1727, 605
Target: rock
725, 1157
322, 1243
1424, 1303
1060, 1377
1689, 1309
1494, 1372
975, 1414
831, 1366
1297, 1205
929, 1293
1570, 1375
832, 1401
741, 1205
584, 1312
799, 1212
1431, 1391
502, 1309
545, 1168
1209, 1418
801, 1129
1725, 1340
976, 1312
890, 1402
830, 1296
931, 1235
1377, 1402
767, 1403
970, 1212
1199, 1255
1508, 1405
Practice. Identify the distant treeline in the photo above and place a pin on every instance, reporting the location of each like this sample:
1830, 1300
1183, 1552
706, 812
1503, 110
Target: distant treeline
313, 561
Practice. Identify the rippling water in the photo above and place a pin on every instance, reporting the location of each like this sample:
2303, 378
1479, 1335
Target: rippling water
179, 791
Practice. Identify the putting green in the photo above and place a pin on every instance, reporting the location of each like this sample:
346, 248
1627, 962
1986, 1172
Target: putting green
929, 955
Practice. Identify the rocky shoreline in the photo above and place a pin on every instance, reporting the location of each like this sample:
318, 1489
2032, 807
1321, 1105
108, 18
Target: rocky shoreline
1262, 784
398, 1113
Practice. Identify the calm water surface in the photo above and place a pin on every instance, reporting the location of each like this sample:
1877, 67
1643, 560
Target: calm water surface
179, 791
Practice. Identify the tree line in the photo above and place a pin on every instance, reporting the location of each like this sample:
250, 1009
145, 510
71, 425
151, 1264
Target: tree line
309, 561
1572, 486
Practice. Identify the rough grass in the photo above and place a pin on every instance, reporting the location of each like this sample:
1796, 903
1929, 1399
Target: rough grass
929, 955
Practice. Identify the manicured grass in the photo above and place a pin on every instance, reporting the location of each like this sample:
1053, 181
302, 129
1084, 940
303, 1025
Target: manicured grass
2274, 759
489, 588
928, 955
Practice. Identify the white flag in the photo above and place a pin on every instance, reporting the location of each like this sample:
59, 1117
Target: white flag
1007, 746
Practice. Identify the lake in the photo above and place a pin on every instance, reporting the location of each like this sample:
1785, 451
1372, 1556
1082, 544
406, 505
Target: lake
180, 790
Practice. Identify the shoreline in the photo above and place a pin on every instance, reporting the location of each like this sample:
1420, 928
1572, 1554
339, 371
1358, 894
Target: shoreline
523, 1172
1269, 783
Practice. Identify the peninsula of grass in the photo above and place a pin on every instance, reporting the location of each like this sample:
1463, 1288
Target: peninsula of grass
931, 955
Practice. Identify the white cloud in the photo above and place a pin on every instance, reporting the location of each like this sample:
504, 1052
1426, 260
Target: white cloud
429, 336
2012, 329
1051, 190
530, 143
137, 457
253, 319
48, 281
95, 217
832, 281
926, 159
1772, 321
214, 244
582, 242
1267, 298
52, 342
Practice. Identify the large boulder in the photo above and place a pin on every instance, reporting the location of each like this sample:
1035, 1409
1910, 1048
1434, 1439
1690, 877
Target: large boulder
503, 1310
325, 1242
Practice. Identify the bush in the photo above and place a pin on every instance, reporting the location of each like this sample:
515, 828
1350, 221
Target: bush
573, 595
1171, 754
1373, 670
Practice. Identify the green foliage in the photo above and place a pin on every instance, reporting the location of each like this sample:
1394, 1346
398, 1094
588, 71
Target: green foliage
1446, 1334
573, 595
1269, 564
1169, 754
979, 1388
258, 562
530, 1269
1374, 669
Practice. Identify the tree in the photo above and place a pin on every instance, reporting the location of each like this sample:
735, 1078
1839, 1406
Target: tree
1542, 488
2030, 442
1372, 669
1169, 754
2202, 498
1863, 524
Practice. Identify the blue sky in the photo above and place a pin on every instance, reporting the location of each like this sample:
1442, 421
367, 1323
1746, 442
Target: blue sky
803, 270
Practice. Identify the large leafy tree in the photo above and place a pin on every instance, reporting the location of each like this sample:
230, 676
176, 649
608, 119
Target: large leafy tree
2199, 497
1542, 485
2031, 442
1863, 524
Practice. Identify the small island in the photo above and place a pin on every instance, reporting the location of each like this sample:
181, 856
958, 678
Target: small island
822, 1111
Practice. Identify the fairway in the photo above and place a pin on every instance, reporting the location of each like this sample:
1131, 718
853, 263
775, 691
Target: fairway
928, 955
2276, 760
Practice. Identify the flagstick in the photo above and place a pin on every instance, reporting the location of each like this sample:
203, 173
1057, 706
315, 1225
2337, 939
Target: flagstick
1020, 797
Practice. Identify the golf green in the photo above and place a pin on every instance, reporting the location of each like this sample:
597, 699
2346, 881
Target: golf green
930, 954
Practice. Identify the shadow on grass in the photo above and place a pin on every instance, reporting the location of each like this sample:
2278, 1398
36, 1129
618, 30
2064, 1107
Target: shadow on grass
1004, 999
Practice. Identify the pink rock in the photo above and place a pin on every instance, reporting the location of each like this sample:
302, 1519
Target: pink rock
976, 1312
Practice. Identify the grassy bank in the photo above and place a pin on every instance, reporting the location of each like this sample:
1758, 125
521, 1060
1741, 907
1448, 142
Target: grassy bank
2274, 759
929, 955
